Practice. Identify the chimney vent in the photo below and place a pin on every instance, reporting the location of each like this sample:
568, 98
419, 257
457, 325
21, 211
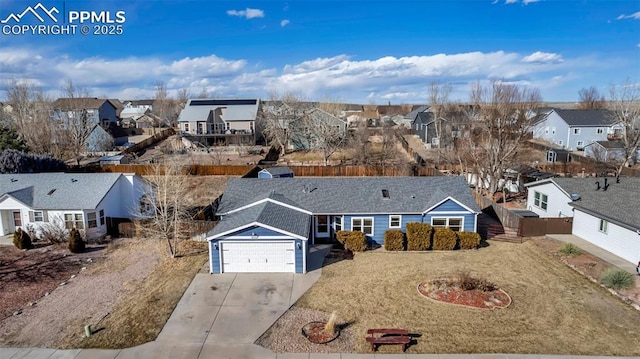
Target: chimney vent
597, 185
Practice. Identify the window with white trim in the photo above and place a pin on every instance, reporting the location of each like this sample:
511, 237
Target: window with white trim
600, 131
73, 220
604, 226
91, 220
576, 131
364, 225
102, 217
38, 216
579, 144
337, 223
540, 200
454, 223
395, 221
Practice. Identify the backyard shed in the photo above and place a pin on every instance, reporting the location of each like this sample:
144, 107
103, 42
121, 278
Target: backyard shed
276, 172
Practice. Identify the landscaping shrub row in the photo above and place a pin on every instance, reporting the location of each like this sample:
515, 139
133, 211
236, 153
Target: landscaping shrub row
354, 241
421, 237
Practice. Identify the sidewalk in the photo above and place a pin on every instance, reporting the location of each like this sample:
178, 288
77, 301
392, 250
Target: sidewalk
596, 251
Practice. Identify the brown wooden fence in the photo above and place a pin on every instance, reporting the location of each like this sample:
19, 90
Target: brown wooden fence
507, 218
531, 227
299, 171
150, 141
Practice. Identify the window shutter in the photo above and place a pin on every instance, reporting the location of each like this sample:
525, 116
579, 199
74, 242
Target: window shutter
30, 216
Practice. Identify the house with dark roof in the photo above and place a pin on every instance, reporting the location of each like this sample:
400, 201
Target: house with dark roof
268, 225
276, 172
604, 210
96, 110
575, 129
85, 201
211, 121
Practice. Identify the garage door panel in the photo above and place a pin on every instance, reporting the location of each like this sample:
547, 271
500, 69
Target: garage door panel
258, 257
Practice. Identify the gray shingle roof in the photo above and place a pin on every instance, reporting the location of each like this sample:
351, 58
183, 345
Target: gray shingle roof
232, 110
70, 190
355, 195
412, 115
586, 117
618, 204
269, 214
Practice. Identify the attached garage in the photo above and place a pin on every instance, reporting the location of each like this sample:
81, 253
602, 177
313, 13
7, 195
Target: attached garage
256, 257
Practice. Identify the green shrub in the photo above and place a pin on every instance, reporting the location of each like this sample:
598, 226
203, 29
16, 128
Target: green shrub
617, 279
418, 236
394, 240
76, 244
468, 240
570, 249
444, 239
21, 239
354, 241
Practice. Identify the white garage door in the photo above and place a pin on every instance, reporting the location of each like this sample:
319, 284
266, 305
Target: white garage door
253, 257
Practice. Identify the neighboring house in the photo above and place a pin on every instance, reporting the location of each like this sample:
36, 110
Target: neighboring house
410, 118
114, 160
267, 225
575, 129
86, 201
276, 172
211, 121
605, 211
139, 104
303, 130
99, 140
609, 151
97, 111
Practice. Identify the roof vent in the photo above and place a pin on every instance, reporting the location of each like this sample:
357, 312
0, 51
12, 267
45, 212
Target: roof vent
73, 180
575, 196
14, 180
385, 193
51, 192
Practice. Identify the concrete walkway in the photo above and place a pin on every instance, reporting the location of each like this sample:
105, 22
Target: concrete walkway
220, 316
596, 251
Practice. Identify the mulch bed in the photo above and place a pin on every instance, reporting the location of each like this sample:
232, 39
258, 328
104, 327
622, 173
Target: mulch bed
314, 332
469, 298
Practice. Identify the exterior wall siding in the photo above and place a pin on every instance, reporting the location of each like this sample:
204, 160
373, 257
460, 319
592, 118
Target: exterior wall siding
618, 240
300, 249
557, 201
260, 231
469, 219
214, 260
545, 130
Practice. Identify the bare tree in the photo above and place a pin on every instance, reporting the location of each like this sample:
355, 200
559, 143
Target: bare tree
590, 99
499, 122
439, 105
165, 195
360, 144
319, 130
275, 118
77, 123
30, 115
624, 104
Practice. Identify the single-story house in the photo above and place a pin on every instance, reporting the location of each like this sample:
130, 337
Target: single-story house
268, 225
609, 151
276, 172
604, 210
85, 201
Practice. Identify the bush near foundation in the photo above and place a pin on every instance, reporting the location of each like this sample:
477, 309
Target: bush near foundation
444, 239
468, 240
394, 240
419, 236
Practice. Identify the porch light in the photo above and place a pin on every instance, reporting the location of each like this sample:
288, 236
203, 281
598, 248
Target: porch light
215, 245
299, 245
254, 236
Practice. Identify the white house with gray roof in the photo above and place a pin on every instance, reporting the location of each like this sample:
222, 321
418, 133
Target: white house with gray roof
86, 201
268, 225
605, 211
575, 129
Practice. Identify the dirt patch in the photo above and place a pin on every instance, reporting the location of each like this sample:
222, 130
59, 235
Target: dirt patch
439, 291
131, 276
28, 276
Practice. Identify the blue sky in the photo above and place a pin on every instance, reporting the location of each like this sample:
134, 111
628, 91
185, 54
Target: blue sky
352, 51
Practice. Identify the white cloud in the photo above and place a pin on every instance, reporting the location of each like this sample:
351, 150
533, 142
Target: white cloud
524, 2
248, 13
635, 16
284, 22
527, 2
543, 58
381, 79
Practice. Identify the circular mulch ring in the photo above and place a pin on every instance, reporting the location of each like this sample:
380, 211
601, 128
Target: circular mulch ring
468, 298
314, 332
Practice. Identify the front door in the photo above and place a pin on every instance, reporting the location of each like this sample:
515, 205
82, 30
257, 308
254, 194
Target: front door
322, 226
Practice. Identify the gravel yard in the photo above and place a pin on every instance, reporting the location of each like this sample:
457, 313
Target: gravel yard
110, 287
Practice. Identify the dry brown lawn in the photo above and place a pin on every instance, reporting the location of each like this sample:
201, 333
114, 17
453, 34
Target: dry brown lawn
555, 310
141, 313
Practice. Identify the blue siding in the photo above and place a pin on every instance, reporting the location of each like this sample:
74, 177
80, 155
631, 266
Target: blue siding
214, 255
381, 224
299, 256
260, 231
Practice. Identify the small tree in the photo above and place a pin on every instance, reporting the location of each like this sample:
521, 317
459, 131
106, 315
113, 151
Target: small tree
76, 244
22, 240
